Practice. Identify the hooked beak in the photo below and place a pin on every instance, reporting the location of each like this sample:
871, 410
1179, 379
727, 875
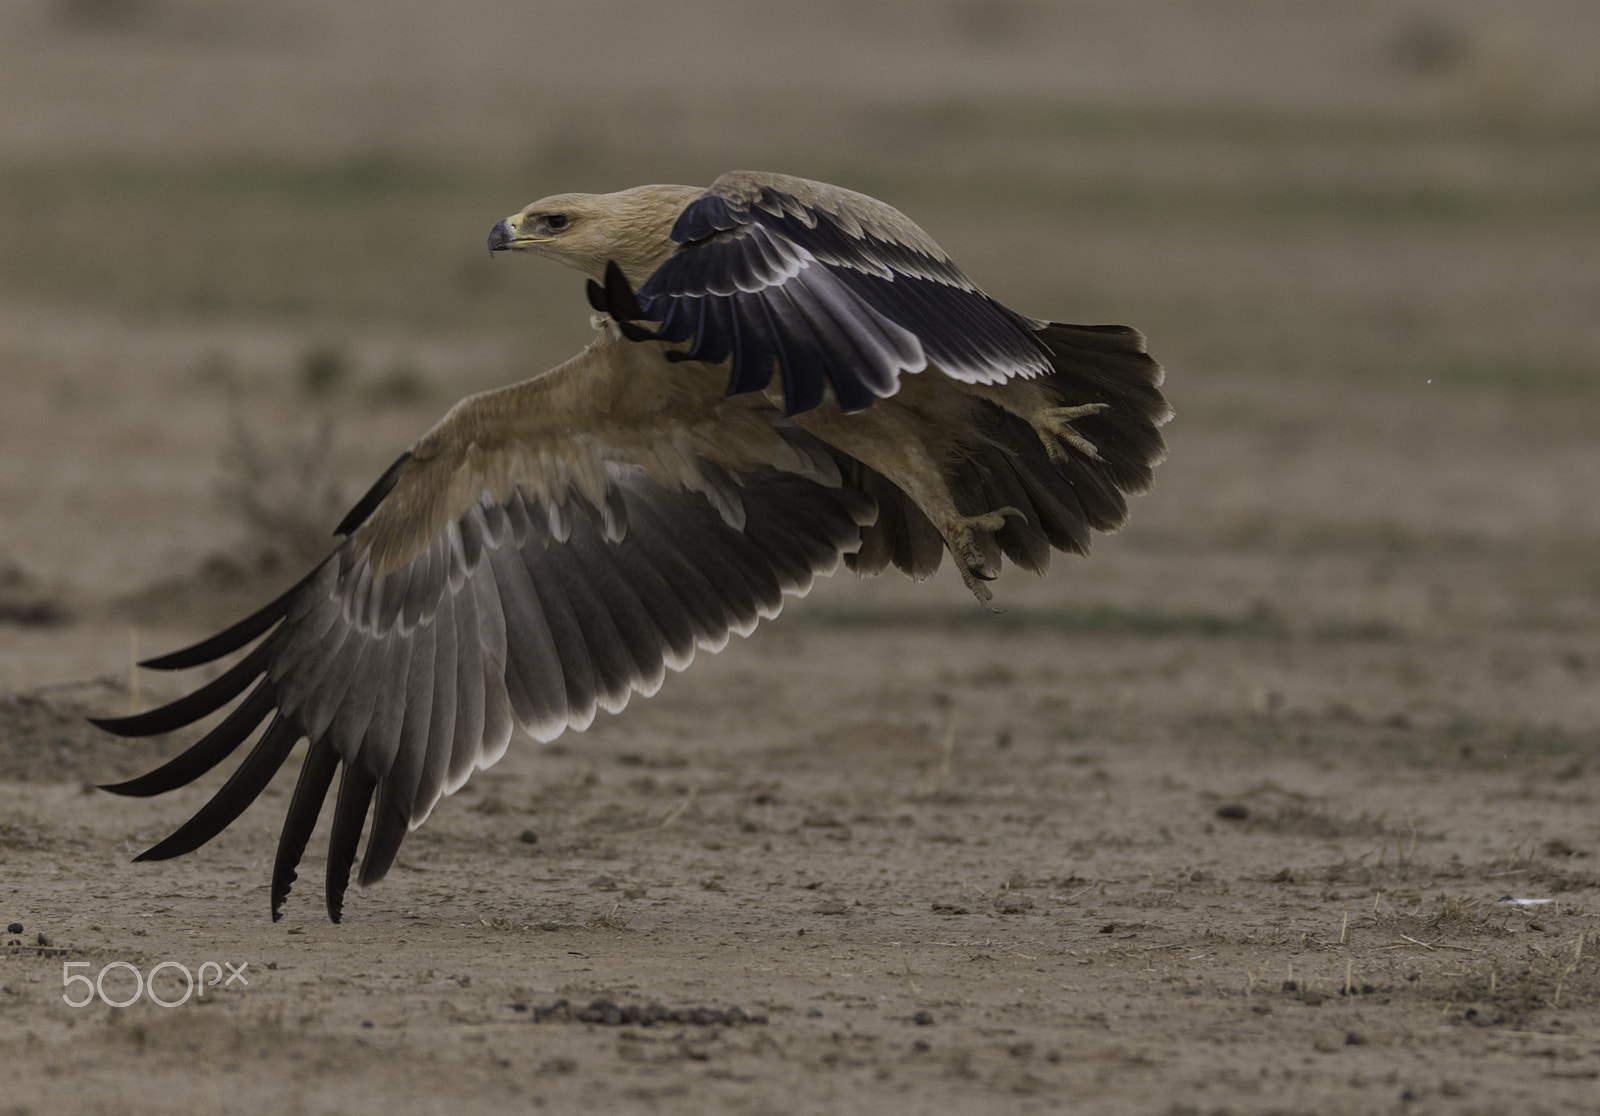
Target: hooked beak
507, 236
501, 237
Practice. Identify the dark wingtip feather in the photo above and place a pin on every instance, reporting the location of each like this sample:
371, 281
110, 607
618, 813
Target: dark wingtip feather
191, 707
310, 792
369, 503
619, 295
243, 787
210, 750
231, 639
226, 641
597, 296
349, 817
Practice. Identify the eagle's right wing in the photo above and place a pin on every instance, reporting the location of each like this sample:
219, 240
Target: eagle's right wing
832, 288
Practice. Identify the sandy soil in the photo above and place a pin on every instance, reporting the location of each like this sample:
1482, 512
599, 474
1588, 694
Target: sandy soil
1112, 868
1223, 819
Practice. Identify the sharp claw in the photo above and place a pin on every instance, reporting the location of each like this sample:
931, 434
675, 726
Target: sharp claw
980, 591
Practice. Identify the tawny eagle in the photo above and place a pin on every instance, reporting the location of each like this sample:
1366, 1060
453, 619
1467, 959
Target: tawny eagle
785, 374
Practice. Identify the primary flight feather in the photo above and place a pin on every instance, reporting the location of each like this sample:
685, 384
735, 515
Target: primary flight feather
786, 375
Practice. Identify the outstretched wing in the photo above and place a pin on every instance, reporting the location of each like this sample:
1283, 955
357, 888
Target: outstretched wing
535, 558
830, 286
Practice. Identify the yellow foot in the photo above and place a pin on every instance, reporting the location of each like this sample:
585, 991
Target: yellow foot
1054, 427
962, 538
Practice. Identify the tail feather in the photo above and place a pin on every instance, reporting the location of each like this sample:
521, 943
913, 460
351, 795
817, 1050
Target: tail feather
1109, 364
1004, 464
993, 477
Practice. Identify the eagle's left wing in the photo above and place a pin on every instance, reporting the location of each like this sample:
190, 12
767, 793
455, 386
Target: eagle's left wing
544, 552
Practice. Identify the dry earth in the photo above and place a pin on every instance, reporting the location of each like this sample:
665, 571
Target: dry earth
1224, 819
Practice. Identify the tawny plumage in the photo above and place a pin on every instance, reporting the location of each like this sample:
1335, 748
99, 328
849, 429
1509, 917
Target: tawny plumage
786, 375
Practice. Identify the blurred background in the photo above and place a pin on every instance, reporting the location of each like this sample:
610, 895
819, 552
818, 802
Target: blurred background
242, 266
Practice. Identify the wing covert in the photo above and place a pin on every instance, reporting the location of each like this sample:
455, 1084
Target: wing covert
831, 288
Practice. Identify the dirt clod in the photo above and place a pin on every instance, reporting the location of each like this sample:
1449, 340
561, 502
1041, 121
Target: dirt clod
610, 1014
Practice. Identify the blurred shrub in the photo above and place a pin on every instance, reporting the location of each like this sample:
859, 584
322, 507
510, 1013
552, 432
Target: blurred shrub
324, 370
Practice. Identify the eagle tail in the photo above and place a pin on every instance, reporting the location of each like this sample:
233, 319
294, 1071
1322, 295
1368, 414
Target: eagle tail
1103, 376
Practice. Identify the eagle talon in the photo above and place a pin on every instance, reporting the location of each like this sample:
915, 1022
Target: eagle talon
971, 555
1054, 427
980, 590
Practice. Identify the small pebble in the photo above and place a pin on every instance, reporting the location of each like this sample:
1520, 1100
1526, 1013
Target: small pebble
529, 837
1234, 811
922, 1018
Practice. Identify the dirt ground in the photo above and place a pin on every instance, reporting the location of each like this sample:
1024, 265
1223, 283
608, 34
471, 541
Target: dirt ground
1283, 801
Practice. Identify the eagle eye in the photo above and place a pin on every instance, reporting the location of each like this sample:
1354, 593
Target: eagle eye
555, 222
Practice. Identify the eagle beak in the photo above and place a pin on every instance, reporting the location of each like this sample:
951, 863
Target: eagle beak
500, 237
507, 236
